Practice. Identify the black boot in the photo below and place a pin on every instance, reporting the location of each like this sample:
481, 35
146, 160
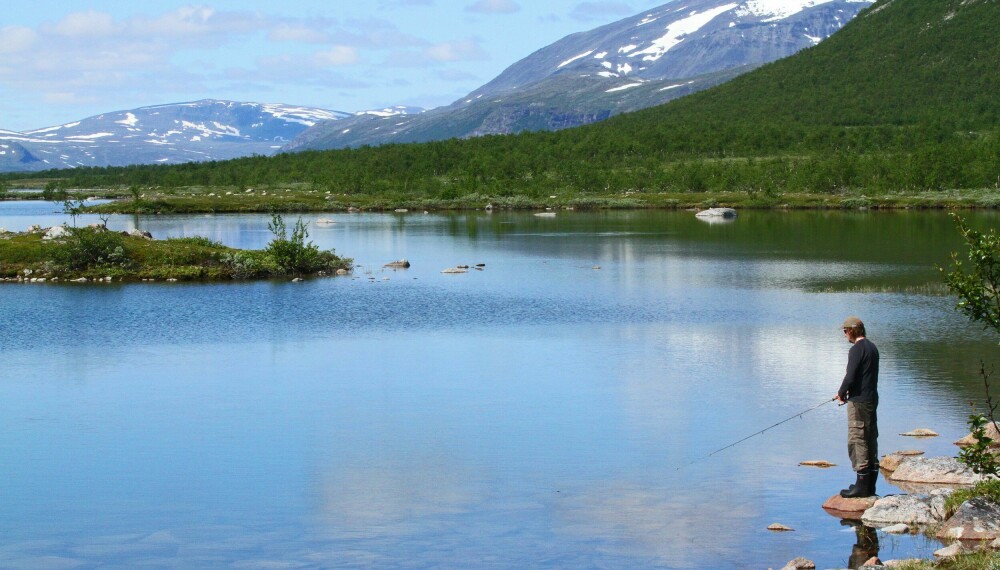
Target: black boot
872, 477
862, 488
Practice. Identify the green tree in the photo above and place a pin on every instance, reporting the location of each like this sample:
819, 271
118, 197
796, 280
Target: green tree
977, 286
73, 207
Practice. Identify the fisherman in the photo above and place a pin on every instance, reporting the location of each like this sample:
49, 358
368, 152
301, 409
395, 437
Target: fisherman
859, 391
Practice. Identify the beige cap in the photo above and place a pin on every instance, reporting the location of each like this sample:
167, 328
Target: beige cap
853, 323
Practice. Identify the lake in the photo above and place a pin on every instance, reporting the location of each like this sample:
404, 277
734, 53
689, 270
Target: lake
556, 408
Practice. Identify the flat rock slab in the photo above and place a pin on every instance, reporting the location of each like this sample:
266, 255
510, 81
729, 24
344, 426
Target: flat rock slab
921, 432
941, 470
977, 519
817, 463
854, 506
906, 509
891, 462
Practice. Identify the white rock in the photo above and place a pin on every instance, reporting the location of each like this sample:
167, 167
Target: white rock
545, 214
896, 529
455, 270
56, 232
717, 213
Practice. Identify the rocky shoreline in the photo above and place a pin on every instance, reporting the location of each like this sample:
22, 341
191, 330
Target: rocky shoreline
928, 482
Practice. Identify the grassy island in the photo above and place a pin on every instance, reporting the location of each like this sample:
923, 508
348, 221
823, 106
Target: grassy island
98, 254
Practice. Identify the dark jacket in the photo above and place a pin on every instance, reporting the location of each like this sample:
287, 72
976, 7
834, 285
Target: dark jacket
861, 381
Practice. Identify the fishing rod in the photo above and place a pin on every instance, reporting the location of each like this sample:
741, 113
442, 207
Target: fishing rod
735, 443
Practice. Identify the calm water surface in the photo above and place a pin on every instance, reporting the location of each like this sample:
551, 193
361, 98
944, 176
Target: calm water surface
541, 412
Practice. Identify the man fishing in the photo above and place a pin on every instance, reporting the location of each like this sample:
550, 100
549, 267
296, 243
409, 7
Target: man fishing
859, 391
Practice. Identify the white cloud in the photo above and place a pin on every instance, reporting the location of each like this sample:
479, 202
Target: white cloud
464, 50
337, 56
602, 11
17, 39
84, 24
298, 33
493, 7
383, 4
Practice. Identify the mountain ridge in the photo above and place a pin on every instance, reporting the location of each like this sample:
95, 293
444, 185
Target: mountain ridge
203, 130
696, 44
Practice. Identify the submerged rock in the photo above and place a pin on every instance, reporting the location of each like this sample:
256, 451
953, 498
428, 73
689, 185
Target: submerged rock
817, 463
398, 264
977, 519
455, 270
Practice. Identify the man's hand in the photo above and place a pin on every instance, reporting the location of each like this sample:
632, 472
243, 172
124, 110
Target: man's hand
839, 399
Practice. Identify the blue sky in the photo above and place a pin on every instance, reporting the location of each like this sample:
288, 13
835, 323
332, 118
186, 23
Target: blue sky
69, 59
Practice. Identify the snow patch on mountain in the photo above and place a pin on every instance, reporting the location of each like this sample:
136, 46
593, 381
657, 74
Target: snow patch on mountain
572, 59
130, 120
677, 30
772, 10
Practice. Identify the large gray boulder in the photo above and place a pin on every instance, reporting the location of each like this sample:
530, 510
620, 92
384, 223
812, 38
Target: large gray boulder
977, 519
939, 470
906, 509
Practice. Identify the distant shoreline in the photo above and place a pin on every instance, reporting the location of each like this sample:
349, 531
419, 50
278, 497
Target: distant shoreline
299, 198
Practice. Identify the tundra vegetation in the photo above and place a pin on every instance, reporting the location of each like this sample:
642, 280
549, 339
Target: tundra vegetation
96, 253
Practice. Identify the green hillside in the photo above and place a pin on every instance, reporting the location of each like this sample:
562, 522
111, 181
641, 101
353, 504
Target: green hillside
903, 99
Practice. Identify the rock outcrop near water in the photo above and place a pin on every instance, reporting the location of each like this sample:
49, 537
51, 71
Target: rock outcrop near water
936, 470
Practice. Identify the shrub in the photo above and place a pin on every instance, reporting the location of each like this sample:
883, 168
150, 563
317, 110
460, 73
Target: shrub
249, 264
92, 247
293, 254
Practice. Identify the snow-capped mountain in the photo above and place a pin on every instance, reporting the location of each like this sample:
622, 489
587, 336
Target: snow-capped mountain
637, 62
165, 134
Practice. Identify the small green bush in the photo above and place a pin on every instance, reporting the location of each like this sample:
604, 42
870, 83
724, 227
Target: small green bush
195, 240
293, 255
92, 247
856, 203
249, 264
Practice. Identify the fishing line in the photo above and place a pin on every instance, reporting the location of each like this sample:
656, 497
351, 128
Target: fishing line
735, 443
